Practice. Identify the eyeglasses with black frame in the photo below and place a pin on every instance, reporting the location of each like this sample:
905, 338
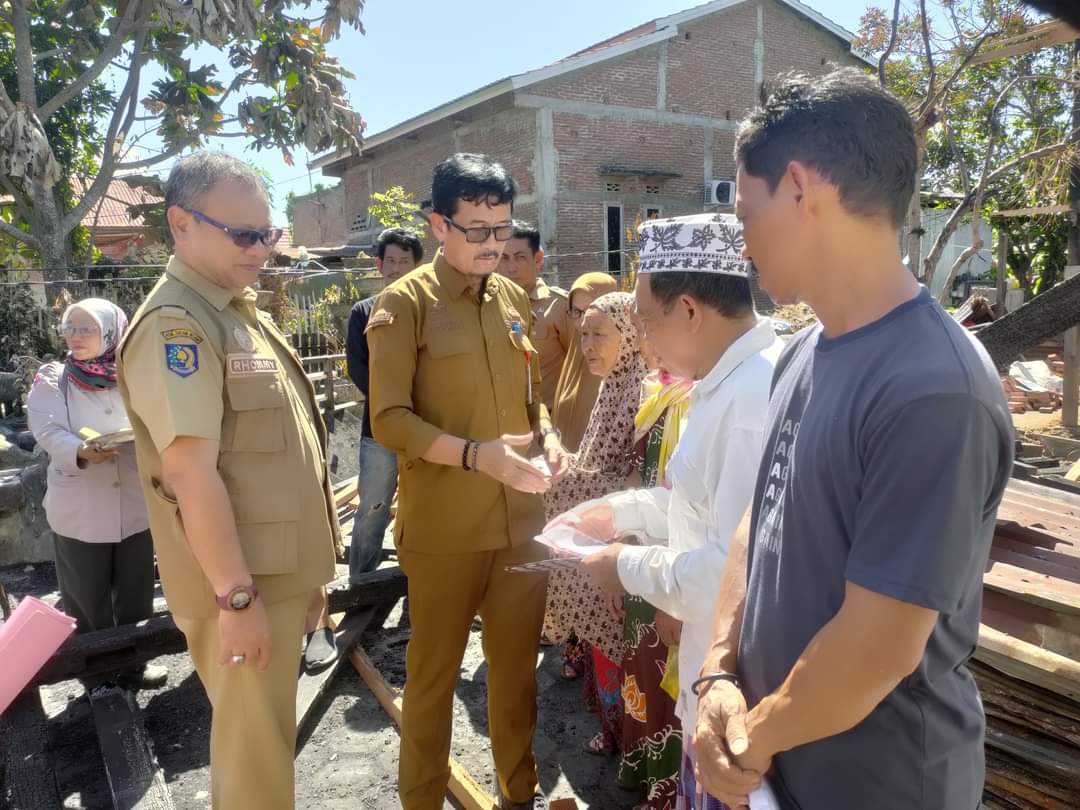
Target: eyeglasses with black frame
242, 237
478, 235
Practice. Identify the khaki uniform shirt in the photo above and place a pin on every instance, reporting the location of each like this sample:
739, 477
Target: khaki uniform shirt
444, 362
199, 360
551, 334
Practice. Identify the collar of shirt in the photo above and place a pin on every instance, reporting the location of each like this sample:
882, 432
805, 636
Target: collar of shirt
455, 282
217, 297
757, 339
540, 292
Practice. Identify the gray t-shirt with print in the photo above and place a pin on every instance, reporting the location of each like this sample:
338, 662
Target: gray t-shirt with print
887, 453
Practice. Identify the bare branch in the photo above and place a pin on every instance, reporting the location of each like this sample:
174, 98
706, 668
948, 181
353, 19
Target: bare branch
142, 164
54, 52
892, 43
112, 47
931, 101
965, 172
988, 180
120, 124
931, 67
19, 235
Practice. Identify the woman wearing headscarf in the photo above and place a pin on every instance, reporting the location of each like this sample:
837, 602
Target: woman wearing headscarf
94, 502
576, 392
652, 734
609, 343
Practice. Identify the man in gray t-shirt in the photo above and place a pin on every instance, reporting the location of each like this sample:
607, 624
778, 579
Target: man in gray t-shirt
851, 600
887, 454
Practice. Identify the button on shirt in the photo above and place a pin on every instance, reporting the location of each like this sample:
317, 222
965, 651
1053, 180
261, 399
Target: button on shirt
444, 360
712, 481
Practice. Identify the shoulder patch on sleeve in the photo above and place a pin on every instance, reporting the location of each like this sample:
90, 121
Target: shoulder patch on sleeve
381, 317
182, 359
182, 334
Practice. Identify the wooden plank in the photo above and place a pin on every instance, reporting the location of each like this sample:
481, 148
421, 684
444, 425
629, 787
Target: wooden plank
26, 775
372, 588
464, 788
1037, 37
106, 652
135, 778
1033, 587
310, 687
1028, 662
1032, 212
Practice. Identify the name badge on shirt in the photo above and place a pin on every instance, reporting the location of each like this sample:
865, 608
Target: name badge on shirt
249, 365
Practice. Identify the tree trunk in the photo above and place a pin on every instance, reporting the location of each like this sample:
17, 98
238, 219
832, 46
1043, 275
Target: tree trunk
914, 218
1044, 316
55, 250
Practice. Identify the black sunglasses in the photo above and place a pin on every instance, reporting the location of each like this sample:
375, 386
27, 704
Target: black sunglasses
242, 237
503, 233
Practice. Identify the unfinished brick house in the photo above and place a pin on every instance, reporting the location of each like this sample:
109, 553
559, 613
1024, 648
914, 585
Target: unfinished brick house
641, 124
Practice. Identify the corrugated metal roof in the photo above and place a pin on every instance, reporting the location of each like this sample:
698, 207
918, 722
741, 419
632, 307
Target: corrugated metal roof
112, 210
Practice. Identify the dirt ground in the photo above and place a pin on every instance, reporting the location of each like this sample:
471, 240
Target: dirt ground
349, 758
350, 755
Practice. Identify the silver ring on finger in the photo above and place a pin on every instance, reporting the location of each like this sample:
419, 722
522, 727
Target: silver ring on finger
239, 659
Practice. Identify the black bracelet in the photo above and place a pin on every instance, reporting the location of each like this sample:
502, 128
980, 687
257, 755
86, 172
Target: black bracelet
695, 687
465, 456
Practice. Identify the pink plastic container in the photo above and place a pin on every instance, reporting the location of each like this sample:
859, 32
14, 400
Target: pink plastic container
27, 640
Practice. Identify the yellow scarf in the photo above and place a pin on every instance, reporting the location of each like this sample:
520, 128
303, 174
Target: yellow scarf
660, 394
659, 397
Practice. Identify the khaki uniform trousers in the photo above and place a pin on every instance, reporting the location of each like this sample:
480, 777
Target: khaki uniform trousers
446, 591
253, 725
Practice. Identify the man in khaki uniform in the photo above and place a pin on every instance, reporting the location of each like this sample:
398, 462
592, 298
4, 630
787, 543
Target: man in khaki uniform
523, 262
231, 457
455, 386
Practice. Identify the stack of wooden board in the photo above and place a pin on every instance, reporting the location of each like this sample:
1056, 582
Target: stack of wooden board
1028, 661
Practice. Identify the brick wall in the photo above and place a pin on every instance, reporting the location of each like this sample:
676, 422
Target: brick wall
710, 75
319, 218
509, 137
711, 65
792, 42
626, 80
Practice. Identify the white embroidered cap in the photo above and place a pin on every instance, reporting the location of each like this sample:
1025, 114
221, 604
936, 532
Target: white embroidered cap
701, 243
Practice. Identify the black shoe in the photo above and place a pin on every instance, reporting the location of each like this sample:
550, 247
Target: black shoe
537, 802
320, 651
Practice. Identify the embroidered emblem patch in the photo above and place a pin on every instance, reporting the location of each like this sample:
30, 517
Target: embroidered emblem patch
173, 334
247, 365
244, 339
380, 318
182, 359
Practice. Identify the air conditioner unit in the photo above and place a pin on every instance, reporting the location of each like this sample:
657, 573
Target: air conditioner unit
720, 192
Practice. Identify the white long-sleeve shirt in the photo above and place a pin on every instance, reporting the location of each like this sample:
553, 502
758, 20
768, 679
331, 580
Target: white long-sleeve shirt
712, 474
98, 503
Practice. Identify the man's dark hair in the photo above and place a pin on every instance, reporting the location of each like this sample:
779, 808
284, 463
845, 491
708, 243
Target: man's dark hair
473, 178
843, 125
526, 230
403, 238
729, 295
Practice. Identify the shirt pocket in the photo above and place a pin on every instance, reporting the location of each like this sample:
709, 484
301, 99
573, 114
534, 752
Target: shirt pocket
447, 369
258, 421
